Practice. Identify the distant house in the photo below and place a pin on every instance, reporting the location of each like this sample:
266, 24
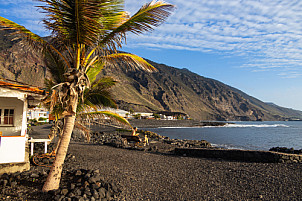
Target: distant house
38, 114
172, 115
120, 112
15, 98
144, 115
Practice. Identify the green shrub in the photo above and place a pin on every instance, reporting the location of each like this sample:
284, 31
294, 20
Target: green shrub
156, 116
42, 119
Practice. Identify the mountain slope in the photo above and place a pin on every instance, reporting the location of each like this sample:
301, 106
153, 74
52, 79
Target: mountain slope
180, 90
20, 62
170, 89
270, 107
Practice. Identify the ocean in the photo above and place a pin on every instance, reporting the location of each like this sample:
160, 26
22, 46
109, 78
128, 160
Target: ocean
242, 135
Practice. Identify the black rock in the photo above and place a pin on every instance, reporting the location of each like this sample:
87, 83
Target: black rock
78, 192
5, 182
92, 180
114, 188
71, 186
34, 175
13, 184
71, 194
95, 194
108, 195
64, 191
54, 192
102, 192
87, 192
94, 186
78, 173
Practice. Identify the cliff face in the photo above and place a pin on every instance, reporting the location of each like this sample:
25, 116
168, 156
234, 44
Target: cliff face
180, 90
20, 62
171, 89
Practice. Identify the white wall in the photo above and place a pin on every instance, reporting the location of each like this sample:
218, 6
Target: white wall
36, 113
12, 149
19, 114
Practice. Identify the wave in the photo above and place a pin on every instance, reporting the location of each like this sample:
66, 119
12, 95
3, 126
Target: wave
178, 127
255, 125
237, 126
226, 146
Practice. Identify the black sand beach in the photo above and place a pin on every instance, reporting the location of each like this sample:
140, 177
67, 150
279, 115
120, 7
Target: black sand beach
148, 176
159, 175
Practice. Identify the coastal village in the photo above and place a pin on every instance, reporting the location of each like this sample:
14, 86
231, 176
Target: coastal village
66, 139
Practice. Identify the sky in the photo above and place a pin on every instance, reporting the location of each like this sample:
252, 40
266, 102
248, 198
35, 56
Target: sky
252, 45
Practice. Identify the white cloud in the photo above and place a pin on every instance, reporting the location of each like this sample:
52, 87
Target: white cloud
24, 12
268, 32
15, 2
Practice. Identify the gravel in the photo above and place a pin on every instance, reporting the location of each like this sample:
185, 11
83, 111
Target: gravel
156, 174
143, 175
150, 176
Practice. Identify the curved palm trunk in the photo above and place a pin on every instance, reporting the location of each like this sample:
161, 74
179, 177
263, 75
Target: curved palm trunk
54, 176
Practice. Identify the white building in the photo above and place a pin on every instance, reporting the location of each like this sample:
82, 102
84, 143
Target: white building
126, 114
37, 113
120, 112
14, 100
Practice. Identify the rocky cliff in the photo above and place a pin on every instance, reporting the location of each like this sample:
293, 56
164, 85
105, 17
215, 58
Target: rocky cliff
180, 90
20, 62
170, 89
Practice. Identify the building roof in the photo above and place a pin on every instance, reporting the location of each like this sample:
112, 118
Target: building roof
21, 87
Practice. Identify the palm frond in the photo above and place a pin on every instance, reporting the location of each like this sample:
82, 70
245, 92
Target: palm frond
56, 66
34, 40
94, 70
131, 60
86, 105
101, 100
102, 114
26, 34
149, 16
104, 83
81, 21
83, 128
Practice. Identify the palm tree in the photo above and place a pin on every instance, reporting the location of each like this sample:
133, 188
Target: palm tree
95, 98
85, 37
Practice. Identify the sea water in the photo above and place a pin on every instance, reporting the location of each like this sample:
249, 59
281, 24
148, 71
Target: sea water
242, 135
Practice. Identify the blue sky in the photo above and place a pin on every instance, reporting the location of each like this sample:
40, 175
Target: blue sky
253, 45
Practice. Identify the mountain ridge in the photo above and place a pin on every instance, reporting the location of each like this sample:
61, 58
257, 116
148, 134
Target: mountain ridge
212, 99
169, 89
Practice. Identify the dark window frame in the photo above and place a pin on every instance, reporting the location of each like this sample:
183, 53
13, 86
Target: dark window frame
7, 117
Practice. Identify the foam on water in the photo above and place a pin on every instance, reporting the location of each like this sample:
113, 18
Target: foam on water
226, 146
237, 126
179, 127
255, 125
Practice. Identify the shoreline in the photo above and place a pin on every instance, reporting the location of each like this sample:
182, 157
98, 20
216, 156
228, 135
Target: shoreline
153, 123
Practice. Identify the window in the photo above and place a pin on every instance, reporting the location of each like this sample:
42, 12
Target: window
7, 117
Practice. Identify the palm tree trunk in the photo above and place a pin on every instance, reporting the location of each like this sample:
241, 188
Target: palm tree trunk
54, 176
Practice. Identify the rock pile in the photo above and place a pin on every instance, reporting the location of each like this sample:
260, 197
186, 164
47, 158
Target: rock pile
78, 185
187, 143
85, 185
40, 158
114, 139
286, 150
24, 185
